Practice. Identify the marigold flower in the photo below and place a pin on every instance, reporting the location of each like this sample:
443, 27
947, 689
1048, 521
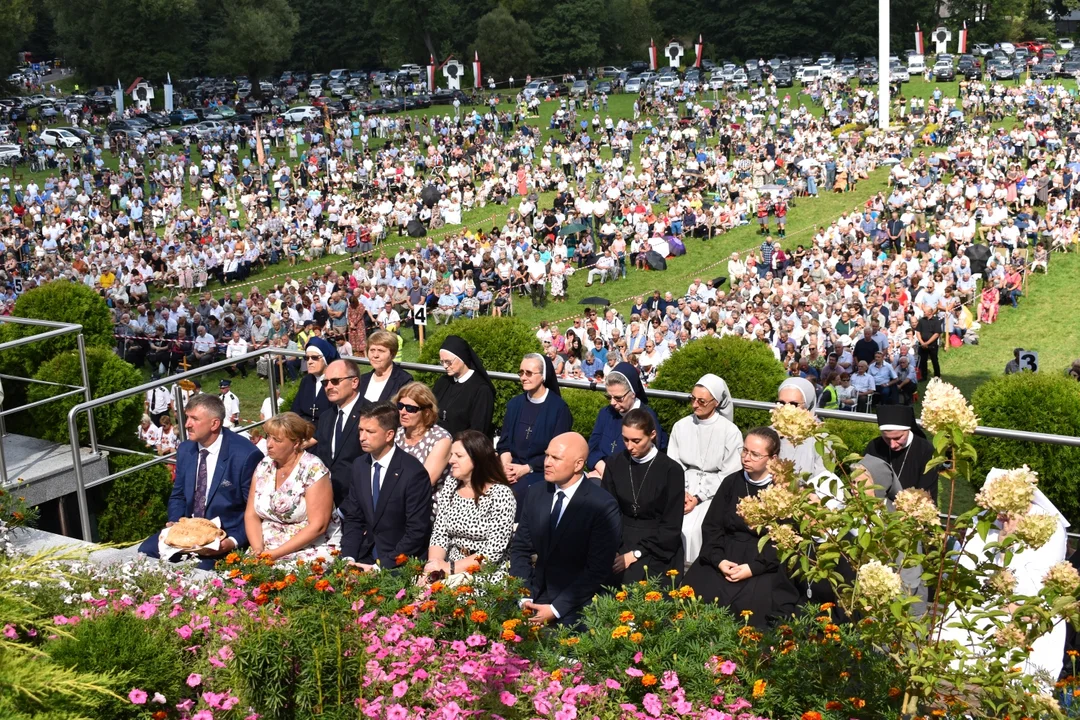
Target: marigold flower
626, 616
834, 705
759, 688
944, 406
894, 692
636, 637
322, 585
232, 558
648, 679
672, 573
747, 613
621, 596
878, 585
648, 624
1010, 492
478, 616
651, 596
508, 635
458, 613
428, 605
437, 586
858, 703
620, 632
679, 615
794, 423
401, 559
1036, 529
811, 715
686, 592
511, 623
556, 674
407, 609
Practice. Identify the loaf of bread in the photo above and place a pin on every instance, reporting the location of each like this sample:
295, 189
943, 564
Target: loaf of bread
193, 533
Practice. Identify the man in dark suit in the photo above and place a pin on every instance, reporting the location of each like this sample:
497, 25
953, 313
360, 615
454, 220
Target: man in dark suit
388, 509
573, 528
337, 434
213, 474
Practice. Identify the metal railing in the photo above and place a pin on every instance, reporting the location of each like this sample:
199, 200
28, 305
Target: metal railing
57, 329
89, 405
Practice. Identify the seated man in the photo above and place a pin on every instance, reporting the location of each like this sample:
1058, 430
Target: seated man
388, 509
213, 473
573, 528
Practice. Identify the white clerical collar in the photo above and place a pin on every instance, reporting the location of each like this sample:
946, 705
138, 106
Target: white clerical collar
540, 400
757, 483
649, 456
637, 404
711, 420
465, 376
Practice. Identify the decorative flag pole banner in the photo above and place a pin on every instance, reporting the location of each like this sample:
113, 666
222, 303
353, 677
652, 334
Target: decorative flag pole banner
963, 39
919, 49
168, 93
119, 97
652, 54
431, 74
476, 70
699, 49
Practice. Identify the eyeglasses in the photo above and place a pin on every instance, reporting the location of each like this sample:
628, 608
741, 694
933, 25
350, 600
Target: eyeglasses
411, 409
527, 373
314, 357
701, 401
337, 381
753, 455
447, 363
618, 398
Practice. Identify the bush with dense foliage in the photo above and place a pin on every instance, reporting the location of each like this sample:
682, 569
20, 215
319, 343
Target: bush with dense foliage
1036, 402
584, 405
500, 342
750, 370
136, 505
59, 301
108, 373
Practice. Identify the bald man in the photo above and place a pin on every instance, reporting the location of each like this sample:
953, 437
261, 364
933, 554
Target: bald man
572, 528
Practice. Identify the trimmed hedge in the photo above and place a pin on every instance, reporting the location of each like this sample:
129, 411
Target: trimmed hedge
134, 506
750, 369
856, 435
115, 423
59, 301
584, 405
1036, 402
500, 342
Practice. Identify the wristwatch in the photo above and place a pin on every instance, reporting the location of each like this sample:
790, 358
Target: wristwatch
637, 554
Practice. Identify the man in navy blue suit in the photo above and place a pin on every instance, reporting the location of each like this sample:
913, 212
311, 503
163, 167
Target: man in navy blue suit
388, 509
572, 528
213, 474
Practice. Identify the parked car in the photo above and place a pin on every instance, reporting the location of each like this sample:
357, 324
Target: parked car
604, 86
981, 49
59, 138
1069, 68
633, 85
783, 76
944, 72
300, 113
208, 128
10, 154
916, 64
1066, 44
580, 87
668, 82
1043, 70
85, 135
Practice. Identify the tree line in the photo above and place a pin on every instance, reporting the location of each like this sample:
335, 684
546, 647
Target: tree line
121, 39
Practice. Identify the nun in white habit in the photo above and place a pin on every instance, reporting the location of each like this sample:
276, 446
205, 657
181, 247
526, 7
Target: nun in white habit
799, 391
708, 446
1030, 567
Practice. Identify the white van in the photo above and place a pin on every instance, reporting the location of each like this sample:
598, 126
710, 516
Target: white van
916, 64
810, 74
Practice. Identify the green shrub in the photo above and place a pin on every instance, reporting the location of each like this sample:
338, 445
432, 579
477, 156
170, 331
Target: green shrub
499, 342
135, 505
856, 435
59, 301
1036, 402
585, 405
148, 654
108, 374
749, 368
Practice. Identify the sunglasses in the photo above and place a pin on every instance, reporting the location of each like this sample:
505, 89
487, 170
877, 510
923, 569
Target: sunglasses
337, 381
411, 409
314, 357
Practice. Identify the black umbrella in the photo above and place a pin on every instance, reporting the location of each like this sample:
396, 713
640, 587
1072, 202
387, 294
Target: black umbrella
430, 195
978, 255
415, 228
655, 260
594, 301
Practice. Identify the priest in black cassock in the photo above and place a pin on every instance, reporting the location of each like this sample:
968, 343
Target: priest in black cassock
649, 487
625, 393
903, 445
466, 395
310, 397
532, 419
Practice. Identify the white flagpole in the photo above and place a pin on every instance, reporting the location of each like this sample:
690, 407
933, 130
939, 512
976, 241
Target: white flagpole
883, 64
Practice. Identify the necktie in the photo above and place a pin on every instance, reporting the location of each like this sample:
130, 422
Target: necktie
199, 506
338, 429
375, 501
556, 512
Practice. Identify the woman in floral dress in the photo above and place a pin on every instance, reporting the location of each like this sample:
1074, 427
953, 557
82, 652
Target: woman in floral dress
290, 506
357, 328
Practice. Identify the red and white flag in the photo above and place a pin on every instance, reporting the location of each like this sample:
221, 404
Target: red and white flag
918, 40
963, 39
699, 49
652, 54
431, 74
477, 79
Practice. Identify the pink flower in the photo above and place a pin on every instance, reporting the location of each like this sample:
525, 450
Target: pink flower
567, 712
203, 715
739, 704
10, 632
634, 672
727, 667
637, 657
671, 680
194, 680
146, 611
542, 706
507, 698
230, 702
137, 696
396, 712
475, 640
400, 594
652, 704
184, 631
185, 705
400, 689
682, 706
613, 684
159, 698
252, 716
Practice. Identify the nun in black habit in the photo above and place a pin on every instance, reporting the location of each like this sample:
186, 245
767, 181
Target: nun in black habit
310, 398
532, 419
625, 393
465, 394
903, 445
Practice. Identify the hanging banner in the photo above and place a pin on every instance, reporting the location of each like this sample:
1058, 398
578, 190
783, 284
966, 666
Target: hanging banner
919, 50
168, 93
699, 48
652, 55
477, 75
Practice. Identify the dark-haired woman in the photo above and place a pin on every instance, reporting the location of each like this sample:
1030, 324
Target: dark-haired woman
649, 487
476, 510
730, 569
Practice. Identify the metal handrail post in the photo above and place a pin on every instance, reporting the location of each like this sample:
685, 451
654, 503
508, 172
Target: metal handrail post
77, 466
272, 376
86, 386
178, 401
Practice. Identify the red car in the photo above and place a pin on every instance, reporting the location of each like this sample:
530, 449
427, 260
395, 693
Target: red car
1032, 47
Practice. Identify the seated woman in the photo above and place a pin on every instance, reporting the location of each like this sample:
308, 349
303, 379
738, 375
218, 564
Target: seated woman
476, 512
291, 501
988, 304
418, 434
649, 487
730, 569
